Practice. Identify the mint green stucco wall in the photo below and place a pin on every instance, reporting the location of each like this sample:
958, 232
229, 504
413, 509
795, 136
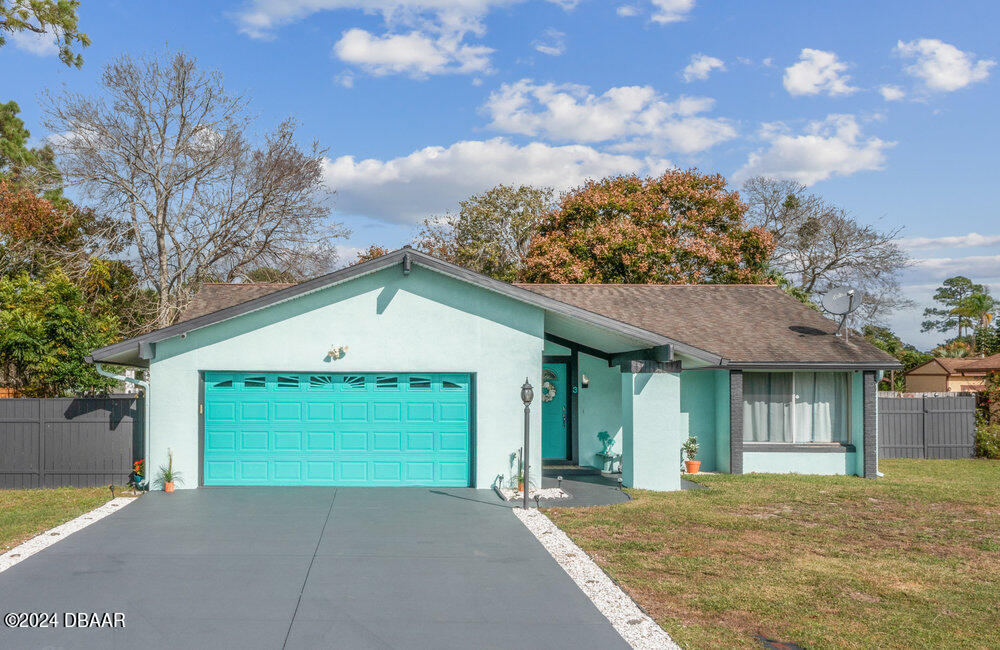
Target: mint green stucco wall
426, 322
599, 407
700, 400
651, 430
556, 350
799, 463
818, 463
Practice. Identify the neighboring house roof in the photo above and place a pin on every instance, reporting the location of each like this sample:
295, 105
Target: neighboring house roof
737, 325
982, 364
746, 324
962, 365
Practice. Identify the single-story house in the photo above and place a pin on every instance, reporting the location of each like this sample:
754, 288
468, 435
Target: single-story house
951, 375
407, 370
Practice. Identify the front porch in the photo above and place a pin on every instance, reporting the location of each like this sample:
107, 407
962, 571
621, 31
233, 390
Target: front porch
603, 409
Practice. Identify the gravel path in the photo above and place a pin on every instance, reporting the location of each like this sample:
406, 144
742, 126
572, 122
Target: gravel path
635, 626
53, 535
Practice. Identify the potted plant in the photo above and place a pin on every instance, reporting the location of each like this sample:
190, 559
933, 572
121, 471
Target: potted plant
690, 448
168, 476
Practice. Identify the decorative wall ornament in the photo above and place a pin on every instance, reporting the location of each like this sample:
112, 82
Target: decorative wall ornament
337, 352
548, 388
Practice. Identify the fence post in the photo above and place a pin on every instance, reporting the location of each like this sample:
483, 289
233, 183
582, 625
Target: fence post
923, 423
41, 444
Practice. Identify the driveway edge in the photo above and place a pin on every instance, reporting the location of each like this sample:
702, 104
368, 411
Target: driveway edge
634, 625
44, 540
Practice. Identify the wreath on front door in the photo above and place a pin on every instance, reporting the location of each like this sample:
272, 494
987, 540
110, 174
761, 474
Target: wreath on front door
548, 388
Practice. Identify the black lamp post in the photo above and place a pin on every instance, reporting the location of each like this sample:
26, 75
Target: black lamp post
527, 394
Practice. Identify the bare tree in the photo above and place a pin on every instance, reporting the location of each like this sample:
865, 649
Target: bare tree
168, 154
819, 245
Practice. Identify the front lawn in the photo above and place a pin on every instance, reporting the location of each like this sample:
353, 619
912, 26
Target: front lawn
25, 513
909, 560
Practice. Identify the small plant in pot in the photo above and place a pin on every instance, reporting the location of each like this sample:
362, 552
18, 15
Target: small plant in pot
168, 475
690, 447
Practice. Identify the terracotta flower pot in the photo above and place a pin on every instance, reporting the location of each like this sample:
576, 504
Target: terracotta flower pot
692, 466
520, 486
168, 486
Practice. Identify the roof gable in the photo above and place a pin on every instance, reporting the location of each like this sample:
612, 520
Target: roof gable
142, 345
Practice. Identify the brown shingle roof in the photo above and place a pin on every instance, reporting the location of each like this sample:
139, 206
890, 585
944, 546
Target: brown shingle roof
975, 364
213, 296
743, 323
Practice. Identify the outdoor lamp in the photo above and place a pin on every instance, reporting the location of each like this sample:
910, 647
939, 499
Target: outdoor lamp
527, 393
584, 381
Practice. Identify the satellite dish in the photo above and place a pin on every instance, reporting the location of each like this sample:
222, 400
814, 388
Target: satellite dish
841, 301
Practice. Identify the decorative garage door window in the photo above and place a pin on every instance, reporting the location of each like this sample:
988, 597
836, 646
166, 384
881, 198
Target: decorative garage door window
548, 388
337, 429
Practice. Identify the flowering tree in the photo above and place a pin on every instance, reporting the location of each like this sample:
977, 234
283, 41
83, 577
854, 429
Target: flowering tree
681, 227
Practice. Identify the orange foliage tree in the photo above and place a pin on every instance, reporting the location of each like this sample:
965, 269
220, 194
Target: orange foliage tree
372, 252
681, 227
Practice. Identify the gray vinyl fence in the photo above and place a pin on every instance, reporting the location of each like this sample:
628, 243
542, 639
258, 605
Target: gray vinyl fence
78, 442
927, 427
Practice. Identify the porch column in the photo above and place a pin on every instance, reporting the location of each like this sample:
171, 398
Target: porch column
870, 438
651, 431
735, 421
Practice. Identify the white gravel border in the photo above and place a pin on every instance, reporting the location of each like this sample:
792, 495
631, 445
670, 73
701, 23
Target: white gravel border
635, 626
50, 537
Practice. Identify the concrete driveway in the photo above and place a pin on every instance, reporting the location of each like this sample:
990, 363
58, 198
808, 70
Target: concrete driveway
305, 568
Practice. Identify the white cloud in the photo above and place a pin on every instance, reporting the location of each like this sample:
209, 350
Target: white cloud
636, 118
701, 67
261, 18
891, 93
950, 241
830, 147
433, 180
553, 42
671, 11
627, 11
415, 54
34, 43
422, 37
818, 72
941, 66
981, 267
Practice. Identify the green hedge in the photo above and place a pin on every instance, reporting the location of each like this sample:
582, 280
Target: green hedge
988, 441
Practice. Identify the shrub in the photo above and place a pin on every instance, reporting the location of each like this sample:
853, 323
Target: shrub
988, 441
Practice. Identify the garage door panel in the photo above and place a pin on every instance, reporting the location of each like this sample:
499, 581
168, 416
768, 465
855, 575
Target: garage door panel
337, 429
354, 441
320, 441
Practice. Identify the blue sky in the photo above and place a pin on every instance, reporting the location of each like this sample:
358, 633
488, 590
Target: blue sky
885, 108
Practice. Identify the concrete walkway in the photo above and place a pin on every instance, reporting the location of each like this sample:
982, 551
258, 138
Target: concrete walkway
304, 568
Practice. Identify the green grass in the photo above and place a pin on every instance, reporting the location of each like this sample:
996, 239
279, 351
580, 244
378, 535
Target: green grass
25, 513
911, 560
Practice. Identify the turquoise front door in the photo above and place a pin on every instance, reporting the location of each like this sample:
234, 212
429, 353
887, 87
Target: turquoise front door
337, 429
554, 407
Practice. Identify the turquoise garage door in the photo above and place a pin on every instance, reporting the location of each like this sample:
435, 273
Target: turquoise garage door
336, 429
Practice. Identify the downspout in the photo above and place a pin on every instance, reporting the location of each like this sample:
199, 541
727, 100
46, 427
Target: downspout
145, 407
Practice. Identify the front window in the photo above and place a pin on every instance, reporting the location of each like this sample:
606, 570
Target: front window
796, 407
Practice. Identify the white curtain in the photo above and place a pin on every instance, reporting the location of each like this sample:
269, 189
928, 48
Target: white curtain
819, 402
767, 407
830, 407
